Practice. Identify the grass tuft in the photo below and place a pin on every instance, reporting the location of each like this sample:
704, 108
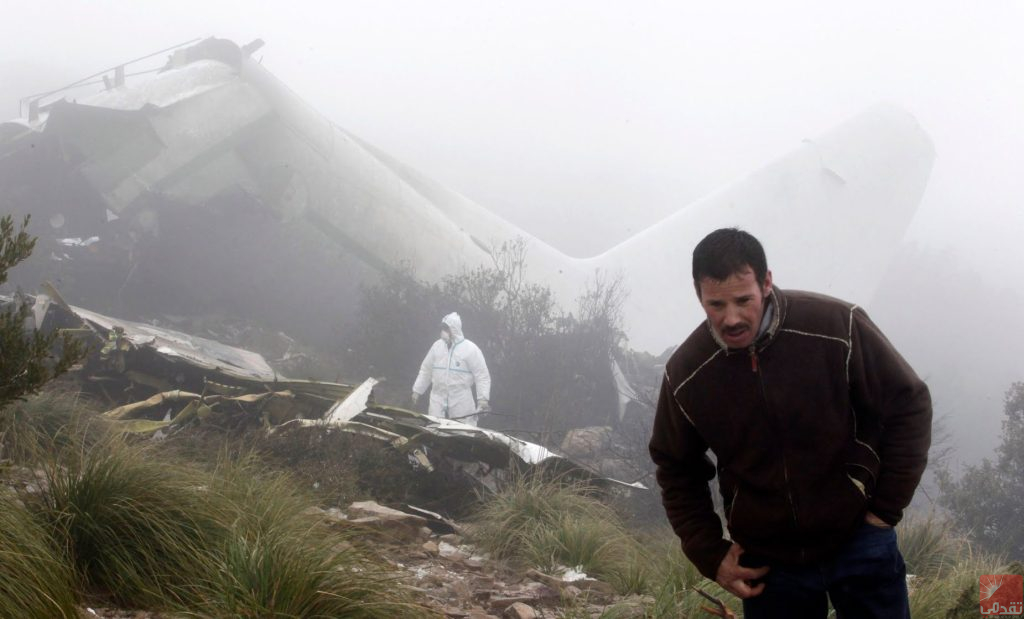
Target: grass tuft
929, 546
279, 561
35, 580
551, 523
134, 527
55, 419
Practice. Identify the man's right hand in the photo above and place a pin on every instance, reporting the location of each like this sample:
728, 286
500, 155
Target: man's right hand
414, 397
735, 578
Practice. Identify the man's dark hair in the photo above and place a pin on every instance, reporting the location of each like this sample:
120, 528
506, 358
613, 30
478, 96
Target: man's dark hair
727, 251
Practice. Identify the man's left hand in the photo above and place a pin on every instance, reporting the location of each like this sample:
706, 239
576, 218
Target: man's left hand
875, 521
483, 406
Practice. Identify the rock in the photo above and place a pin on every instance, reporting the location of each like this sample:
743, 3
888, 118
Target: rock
483, 595
519, 610
461, 590
451, 553
452, 538
632, 607
544, 593
502, 603
585, 442
390, 524
431, 548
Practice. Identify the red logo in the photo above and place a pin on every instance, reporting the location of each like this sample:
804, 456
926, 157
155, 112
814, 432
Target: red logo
1001, 594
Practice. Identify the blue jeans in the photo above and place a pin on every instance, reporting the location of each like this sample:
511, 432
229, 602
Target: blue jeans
865, 579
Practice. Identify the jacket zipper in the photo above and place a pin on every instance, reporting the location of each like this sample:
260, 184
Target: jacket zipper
448, 379
755, 367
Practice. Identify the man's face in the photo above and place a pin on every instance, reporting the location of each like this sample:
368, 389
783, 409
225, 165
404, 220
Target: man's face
735, 306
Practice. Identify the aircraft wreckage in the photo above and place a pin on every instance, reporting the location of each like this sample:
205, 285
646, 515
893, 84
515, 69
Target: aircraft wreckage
207, 185
162, 381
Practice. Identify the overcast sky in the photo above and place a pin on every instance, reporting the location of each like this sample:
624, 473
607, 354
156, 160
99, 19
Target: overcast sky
586, 121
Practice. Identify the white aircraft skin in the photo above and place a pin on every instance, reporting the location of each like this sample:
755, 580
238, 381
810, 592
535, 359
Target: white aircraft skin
830, 213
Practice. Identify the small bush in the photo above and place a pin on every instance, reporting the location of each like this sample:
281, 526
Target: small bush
278, 561
58, 418
984, 502
672, 579
550, 523
35, 580
236, 541
955, 592
132, 526
929, 546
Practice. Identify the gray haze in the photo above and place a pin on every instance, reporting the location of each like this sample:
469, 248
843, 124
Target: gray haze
584, 122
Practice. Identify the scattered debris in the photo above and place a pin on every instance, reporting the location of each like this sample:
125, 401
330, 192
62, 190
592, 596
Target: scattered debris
158, 381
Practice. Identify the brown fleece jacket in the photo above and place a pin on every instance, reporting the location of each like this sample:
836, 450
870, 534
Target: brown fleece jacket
818, 422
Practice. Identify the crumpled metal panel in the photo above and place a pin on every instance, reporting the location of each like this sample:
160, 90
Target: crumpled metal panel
197, 351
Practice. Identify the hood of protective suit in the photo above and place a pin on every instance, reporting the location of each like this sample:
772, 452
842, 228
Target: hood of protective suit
454, 323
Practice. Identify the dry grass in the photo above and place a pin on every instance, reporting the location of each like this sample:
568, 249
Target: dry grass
35, 580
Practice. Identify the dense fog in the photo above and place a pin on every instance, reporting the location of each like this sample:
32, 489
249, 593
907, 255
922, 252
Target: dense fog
584, 123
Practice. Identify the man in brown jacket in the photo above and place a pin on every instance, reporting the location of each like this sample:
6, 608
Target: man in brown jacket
820, 432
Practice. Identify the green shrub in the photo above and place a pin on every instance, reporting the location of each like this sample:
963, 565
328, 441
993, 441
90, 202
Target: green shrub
279, 561
985, 501
508, 518
929, 545
55, 419
35, 580
237, 541
955, 592
133, 526
549, 523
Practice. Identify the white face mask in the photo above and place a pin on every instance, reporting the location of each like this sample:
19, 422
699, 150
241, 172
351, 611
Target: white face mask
447, 337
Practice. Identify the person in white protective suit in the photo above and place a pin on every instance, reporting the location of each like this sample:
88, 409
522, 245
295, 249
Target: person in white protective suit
453, 365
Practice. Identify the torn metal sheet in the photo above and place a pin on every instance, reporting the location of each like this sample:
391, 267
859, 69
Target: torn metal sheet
352, 405
223, 380
129, 411
478, 451
196, 351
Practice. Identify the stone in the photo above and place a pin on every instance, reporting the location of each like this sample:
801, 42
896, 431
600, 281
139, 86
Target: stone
447, 551
451, 538
389, 524
632, 607
519, 610
585, 442
502, 603
430, 548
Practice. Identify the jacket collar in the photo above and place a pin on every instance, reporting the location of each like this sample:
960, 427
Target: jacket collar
777, 301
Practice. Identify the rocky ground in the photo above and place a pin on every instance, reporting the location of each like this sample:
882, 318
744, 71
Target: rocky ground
432, 556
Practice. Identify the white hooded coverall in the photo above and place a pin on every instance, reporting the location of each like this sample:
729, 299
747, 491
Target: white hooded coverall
450, 373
